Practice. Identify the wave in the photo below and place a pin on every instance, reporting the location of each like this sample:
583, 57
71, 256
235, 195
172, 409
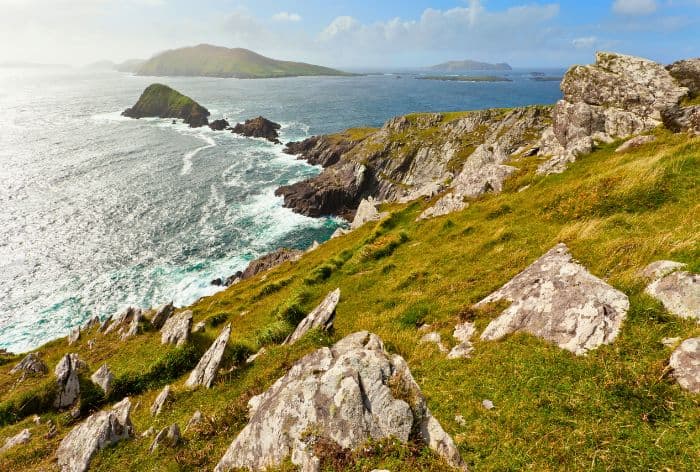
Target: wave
187, 158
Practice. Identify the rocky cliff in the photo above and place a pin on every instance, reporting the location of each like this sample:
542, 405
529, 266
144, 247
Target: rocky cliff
161, 101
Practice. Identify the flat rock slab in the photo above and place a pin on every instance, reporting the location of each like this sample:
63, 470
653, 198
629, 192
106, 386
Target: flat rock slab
342, 394
557, 299
176, 330
685, 362
637, 141
321, 317
205, 372
677, 290
97, 432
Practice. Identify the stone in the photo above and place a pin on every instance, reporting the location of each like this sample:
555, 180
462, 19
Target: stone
670, 342
447, 204
678, 291
558, 300
162, 315
125, 317
488, 404
169, 437
31, 365
205, 372
92, 323
433, 338
104, 378
366, 212
74, 336
133, 329
22, 437
176, 330
687, 74
463, 333
100, 430
342, 394
252, 358
149, 432
339, 232
321, 317
682, 118
637, 141
483, 172
160, 401
685, 362
91, 344
200, 327
219, 125
52, 430
259, 128
67, 378
105, 324
195, 420
269, 261
315, 245
36, 419
659, 269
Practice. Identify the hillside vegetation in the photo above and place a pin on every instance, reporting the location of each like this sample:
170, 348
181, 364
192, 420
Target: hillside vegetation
613, 409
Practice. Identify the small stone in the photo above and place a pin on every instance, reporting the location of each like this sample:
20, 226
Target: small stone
463, 332
678, 291
635, 142
321, 317
366, 212
104, 378
488, 404
105, 323
685, 362
195, 420
659, 269
74, 336
315, 245
670, 342
169, 436
148, 433
22, 438
133, 329
36, 419
339, 232
31, 365
252, 358
160, 401
434, 338
52, 431
176, 330
199, 327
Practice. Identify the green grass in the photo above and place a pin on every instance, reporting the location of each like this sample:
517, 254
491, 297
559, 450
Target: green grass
614, 409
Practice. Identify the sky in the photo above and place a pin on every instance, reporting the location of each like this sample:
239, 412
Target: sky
353, 34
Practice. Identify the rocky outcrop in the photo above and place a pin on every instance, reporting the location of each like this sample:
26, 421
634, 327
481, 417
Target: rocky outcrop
321, 317
176, 329
366, 212
449, 203
268, 261
195, 420
160, 401
30, 365
20, 438
685, 362
677, 290
463, 333
162, 315
205, 372
637, 141
259, 128
161, 101
341, 394
104, 378
322, 150
687, 74
682, 118
616, 97
124, 319
66, 372
558, 300
100, 430
169, 436
133, 328
219, 125
74, 336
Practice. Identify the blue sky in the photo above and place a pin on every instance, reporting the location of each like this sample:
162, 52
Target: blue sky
353, 34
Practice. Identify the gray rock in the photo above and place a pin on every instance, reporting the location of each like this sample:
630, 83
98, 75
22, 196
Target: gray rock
104, 378
434, 338
483, 172
488, 404
269, 261
122, 320
162, 315
176, 330
678, 291
685, 362
682, 118
205, 372
558, 300
169, 437
339, 232
74, 336
340, 393
22, 437
463, 333
315, 245
67, 378
195, 420
321, 317
447, 204
637, 141
92, 323
160, 401
200, 327
105, 324
366, 212
100, 430
659, 269
687, 74
31, 365
133, 329
252, 358
149, 432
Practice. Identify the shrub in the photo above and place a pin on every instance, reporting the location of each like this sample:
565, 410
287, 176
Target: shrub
271, 288
274, 333
383, 247
319, 274
414, 315
292, 310
217, 319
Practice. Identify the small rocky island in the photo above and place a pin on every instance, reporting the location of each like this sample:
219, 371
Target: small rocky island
161, 101
465, 78
259, 128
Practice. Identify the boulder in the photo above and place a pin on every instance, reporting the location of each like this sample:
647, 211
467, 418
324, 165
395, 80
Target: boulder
341, 394
463, 333
74, 336
339, 232
677, 290
268, 261
105, 324
447, 204
133, 328
176, 330
161, 101
321, 150
483, 172
366, 212
219, 125
680, 118
30, 365
22, 437
687, 74
685, 362
104, 378
162, 315
100, 430
169, 437
259, 128
205, 372
321, 317
558, 300
160, 401
67, 378
637, 141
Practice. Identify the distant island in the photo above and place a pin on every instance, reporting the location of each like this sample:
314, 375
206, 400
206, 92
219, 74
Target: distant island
161, 101
463, 78
468, 65
214, 61
130, 65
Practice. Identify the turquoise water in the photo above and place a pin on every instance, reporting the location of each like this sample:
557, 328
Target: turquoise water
98, 212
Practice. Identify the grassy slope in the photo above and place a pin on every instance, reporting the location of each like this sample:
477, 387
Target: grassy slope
211, 61
615, 409
156, 96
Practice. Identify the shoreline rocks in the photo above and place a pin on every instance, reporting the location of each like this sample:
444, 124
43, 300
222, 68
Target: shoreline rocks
259, 128
161, 101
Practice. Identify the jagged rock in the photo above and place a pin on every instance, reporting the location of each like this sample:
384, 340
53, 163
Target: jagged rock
149, 432
160, 401
176, 330
31, 365
67, 378
252, 358
199, 327
22, 437
169, 436
162, 315
92, 323
685, 362
636, 142
268, 261
366, 212
91, 344
433, 338
463, 333
679, 119
342, 394
219, 125
161, 101
105, 324
687, 74
322, 150
315, 245
52, 430
339, 232
195, 420
74, 336
100, 430
447, 204
557, 299
321, 317
459, 419
125, 317
104, 378
677, 290
36, 419
259, 128
483, 172
205, 372
133, 326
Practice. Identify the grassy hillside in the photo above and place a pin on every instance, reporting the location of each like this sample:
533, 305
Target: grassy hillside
213, 61
614, 409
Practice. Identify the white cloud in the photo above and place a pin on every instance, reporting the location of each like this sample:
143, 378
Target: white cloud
634, 7
339, 26
588, 42
286, 16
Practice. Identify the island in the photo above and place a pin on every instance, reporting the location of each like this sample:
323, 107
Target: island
206, 60
468, 65
161, 101
463, 78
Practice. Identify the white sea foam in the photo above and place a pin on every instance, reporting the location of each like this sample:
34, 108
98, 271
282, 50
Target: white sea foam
187, 158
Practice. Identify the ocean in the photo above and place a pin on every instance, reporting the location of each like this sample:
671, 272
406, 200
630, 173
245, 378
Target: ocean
99, 212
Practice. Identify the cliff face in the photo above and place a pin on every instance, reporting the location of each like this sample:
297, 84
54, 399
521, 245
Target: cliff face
163, 102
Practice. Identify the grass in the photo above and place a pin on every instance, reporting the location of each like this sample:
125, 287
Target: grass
614, 409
